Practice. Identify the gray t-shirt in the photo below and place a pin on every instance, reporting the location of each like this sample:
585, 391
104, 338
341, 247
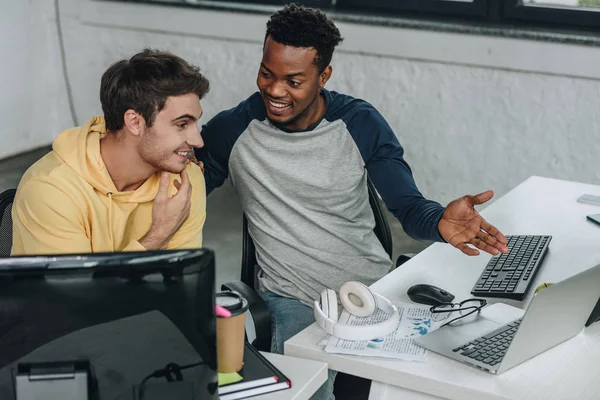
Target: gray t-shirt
305, 193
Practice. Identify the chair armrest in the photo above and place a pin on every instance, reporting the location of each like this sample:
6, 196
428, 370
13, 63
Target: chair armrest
260, 316
402, 258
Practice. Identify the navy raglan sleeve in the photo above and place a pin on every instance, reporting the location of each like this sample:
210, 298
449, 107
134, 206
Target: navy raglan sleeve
390, 173
214, 154
219, 135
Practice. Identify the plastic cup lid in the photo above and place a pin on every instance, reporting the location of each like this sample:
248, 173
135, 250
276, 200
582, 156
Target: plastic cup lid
233, 301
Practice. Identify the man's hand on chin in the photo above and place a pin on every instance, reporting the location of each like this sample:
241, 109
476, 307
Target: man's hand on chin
462, 225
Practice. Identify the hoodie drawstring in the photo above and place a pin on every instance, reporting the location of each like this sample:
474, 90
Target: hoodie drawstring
110, 228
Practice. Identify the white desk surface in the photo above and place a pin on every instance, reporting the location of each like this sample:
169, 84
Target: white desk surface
307, 376
570, 370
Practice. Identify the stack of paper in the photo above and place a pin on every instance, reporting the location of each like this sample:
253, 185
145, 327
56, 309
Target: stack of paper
415, 320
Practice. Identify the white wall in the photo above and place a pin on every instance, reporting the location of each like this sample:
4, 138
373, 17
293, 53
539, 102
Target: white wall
33, 101
472, 112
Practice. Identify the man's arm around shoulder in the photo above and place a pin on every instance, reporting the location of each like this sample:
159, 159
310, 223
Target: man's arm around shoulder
219, 135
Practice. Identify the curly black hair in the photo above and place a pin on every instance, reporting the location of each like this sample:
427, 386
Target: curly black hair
305, 27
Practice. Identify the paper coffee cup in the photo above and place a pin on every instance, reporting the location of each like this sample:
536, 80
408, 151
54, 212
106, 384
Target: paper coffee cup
230, 332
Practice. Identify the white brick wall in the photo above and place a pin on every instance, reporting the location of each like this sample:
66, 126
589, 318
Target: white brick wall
472, 112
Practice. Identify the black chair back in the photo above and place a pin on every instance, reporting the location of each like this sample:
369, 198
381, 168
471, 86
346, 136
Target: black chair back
382, 231
6, 200
249, 263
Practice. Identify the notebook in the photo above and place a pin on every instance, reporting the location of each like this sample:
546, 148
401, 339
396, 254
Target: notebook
258, 376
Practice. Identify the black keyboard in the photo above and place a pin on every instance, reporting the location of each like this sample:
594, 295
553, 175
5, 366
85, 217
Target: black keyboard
491, 348
510, 275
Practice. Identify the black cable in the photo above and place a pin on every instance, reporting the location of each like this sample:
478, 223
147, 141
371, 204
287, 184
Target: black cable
171, 372
63, 57
192, 365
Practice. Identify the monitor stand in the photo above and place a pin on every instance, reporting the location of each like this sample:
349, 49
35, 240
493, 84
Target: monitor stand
65, 380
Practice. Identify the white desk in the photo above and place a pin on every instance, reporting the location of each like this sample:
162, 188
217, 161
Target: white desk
307, 376
568, 371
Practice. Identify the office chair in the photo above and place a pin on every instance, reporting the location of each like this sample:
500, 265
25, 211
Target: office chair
6, 201
346, 387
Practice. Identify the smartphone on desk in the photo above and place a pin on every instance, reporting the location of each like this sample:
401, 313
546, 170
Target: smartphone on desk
589, 199
595, 218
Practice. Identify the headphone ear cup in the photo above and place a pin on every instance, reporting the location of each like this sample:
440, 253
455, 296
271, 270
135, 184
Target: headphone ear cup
352, 294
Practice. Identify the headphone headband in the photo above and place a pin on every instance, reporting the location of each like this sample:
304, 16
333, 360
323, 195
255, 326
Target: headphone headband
360, 332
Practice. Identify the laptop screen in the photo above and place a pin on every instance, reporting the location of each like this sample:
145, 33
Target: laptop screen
128, 314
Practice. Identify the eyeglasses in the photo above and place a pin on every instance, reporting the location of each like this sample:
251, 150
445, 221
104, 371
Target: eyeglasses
468, 309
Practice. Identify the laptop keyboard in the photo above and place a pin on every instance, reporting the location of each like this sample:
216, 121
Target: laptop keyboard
491, 348
510, 275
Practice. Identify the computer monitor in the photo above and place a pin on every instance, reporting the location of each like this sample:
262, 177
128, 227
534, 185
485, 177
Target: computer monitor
128, 314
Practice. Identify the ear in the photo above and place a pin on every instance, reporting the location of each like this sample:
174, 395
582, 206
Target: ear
134, 122
325, 75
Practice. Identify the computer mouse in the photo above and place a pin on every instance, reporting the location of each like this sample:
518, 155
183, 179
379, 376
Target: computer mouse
429, 294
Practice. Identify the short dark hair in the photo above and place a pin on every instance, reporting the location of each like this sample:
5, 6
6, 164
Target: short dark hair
144, 82
305, 27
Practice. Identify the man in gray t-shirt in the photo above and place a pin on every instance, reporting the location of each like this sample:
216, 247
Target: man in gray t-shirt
298, 156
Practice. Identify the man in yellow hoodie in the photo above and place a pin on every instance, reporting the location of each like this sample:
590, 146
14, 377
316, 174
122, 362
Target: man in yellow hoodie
122, 182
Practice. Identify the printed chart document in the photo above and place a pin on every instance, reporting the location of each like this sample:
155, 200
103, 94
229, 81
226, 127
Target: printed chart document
415, 320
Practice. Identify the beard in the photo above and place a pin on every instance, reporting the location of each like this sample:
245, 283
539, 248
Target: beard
159, 158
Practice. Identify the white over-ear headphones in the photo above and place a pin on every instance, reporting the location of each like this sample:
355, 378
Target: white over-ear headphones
358, 300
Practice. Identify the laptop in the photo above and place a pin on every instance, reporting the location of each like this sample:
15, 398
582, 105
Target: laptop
501, 338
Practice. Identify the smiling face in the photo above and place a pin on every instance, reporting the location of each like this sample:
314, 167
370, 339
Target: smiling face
169, 143
290, 85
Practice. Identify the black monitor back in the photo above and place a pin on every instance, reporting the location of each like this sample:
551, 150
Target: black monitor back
129, 314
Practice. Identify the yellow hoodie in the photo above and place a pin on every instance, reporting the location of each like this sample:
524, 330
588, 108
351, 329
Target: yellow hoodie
67, 203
